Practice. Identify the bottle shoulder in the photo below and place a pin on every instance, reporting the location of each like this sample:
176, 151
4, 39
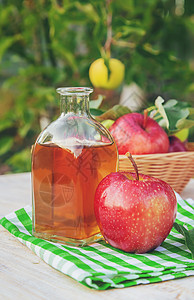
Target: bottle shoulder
70, 127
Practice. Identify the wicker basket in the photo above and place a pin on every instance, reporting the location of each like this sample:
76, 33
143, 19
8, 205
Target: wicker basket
175, 168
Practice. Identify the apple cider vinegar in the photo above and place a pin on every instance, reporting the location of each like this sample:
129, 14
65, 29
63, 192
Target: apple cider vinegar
64, 184
69, 159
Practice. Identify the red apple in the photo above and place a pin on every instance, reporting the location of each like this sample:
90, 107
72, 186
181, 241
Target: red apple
139, 134
135, 213
176, 145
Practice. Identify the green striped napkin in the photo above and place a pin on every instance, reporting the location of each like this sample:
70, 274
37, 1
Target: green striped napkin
101, 266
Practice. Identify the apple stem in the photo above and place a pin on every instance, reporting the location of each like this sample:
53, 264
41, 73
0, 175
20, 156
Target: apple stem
145, 114
128, 154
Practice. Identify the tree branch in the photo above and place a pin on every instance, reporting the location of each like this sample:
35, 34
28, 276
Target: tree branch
108, 42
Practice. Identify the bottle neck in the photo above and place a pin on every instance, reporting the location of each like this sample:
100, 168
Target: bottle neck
75, 104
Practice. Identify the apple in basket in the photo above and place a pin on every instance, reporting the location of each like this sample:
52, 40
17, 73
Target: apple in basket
134, 212
176, 145
139, 134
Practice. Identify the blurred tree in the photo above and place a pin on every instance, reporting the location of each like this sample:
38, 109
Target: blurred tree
47, 44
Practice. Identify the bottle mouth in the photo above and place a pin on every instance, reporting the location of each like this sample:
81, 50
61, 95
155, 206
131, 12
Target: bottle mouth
68, 91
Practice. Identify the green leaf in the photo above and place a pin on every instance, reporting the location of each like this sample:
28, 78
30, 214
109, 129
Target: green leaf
96, 112
7, 42
66, 55
170, 103
6, 123
188, 235
24, 130
176, 114
173, 114
161, 110
88, 10
184, 123
191, 111
5, 144
175, 111
150, 49
96, 103
114, 113
175, 103
130, 29
21, 161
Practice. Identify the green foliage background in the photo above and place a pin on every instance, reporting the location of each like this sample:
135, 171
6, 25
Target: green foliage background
47, 44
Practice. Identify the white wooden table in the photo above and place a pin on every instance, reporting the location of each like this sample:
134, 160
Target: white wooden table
25, 276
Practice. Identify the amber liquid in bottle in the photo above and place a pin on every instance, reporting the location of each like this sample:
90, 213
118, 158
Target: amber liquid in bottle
64, 184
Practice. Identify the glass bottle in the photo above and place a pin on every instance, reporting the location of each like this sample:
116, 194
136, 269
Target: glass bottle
70, 157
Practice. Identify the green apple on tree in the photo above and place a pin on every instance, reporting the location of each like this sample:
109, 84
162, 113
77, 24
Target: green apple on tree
98, 73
